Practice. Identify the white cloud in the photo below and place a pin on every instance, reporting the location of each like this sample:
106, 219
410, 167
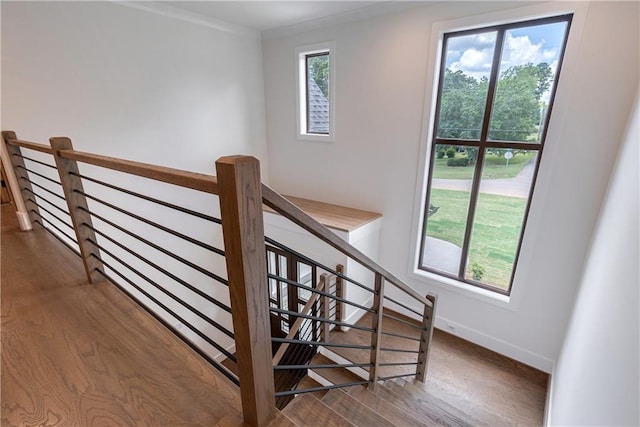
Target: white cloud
520, 50
476, 63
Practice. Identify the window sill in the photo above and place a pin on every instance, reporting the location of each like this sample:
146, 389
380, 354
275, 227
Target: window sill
315, 137
465, 289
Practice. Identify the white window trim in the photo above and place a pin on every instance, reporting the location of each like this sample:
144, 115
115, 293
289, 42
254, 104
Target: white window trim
301, 93
565, 86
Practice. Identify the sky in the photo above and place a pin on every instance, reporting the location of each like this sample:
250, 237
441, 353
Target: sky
473, 53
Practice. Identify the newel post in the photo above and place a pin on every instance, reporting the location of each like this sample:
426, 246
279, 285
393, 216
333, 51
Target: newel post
78, 209
21, 191
243, 229
428, 321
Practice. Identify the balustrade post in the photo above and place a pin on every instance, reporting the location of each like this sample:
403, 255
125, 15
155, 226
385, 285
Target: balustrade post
243, 229
376, 335
340, 293
324, 286
21, 191
78, 210
428, 321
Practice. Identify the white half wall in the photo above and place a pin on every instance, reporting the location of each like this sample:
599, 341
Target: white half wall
597, 379
381, 79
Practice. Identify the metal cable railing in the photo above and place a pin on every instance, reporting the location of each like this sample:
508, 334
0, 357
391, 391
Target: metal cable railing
124, 236
37, 187
194, 299
391, 340
129, 249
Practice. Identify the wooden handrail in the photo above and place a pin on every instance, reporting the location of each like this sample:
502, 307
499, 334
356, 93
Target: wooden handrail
193, 180
30, 145
287, 209
298, 323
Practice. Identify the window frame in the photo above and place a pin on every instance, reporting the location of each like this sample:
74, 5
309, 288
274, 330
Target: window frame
482, 143
302, 102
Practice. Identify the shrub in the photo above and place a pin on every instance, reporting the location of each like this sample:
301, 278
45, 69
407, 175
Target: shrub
477, 271
440, 154
460, 161
451, 153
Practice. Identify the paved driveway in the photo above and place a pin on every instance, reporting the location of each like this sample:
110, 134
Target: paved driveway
515, 187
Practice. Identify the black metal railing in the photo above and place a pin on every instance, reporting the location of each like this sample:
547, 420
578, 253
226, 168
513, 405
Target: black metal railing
184, 278
42, 192
187, 293
387, 338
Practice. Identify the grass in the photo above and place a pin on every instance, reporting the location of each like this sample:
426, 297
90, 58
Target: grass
495, 234
494, 167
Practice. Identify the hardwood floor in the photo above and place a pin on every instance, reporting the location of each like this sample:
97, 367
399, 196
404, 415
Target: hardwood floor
80, 354
479, 385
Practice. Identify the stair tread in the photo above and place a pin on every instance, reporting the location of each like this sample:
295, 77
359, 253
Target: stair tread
439, 411
307, 383
307, 410
483, 415
333, 375
281, 420
385, 408
354, 411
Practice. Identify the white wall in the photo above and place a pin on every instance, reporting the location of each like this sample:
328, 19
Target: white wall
381, 77
596, 380
129, 83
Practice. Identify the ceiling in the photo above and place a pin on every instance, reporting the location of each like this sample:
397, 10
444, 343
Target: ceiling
269, 15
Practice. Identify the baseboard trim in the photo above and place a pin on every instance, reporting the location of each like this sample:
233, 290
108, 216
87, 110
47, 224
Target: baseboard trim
499, 346
547, 406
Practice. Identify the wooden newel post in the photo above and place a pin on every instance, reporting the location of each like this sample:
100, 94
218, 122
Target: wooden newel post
78, 209
376, 335
428, 322
22, 193
243, 229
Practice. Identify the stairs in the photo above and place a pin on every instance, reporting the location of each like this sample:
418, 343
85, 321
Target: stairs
394, 403
397, 402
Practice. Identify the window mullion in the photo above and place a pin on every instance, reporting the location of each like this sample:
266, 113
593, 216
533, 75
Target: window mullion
477, 174
306, 90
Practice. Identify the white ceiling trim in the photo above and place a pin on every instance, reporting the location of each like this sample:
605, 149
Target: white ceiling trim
343, 18
194, 18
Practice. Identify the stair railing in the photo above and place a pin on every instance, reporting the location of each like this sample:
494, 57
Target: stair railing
104, 238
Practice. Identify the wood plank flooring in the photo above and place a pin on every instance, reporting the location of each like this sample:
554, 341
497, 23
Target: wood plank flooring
81, 354
485, 387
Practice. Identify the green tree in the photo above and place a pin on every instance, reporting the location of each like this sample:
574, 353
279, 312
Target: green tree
517, 105
516, 110
462, 105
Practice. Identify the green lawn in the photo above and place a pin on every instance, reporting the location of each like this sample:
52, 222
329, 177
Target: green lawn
494, 167
494, 239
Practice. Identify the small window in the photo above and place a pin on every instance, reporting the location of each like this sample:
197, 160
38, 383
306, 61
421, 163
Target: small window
315, 92
494, 100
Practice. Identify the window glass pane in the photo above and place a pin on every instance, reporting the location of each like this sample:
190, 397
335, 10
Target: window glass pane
528, 68
318, 93
447, 207
504, 191
468, 62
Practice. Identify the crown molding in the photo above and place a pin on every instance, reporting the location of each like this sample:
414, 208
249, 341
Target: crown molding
343, 18
194, 18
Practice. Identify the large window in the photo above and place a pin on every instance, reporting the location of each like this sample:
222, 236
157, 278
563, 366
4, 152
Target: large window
495, 96
315, 92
